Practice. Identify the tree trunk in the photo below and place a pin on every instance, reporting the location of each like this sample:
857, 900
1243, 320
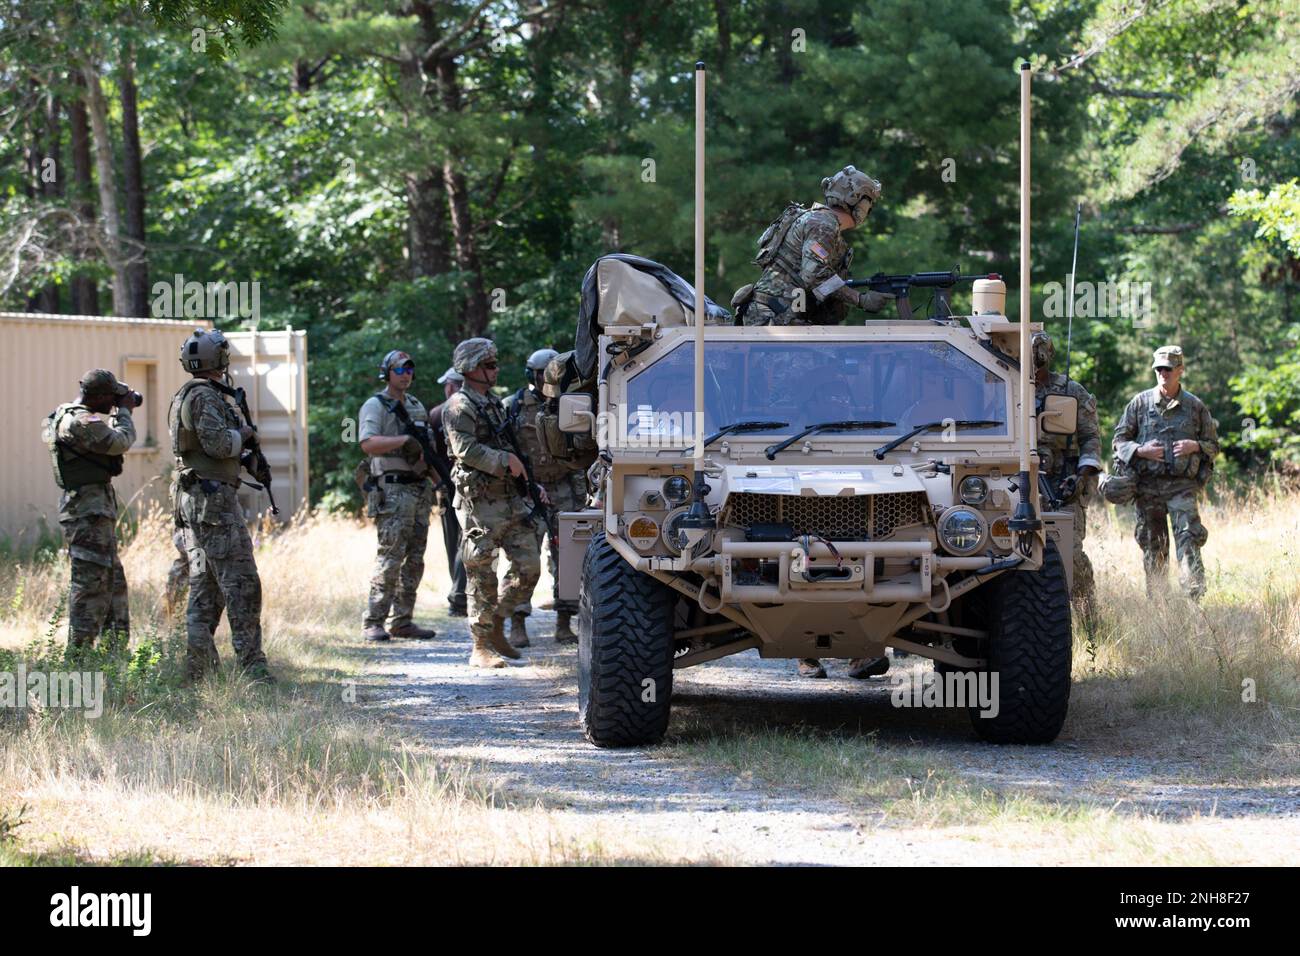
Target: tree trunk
43, 182
107, 194
426, 224
137, 262
474, 320
85, 293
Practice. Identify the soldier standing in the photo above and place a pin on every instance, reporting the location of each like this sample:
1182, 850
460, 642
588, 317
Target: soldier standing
87, 439
1168, 437
1070, 462
565, 483
458, 606
493, 514
210, 441
805, 259
400, 499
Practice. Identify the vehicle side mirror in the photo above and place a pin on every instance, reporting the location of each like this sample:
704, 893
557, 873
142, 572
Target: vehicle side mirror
1060, 415
575, 413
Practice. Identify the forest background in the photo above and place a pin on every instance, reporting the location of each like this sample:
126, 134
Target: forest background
409, 173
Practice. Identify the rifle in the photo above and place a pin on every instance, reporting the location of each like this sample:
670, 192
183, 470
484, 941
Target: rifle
421, 435
252, 459
898, 286
540, 509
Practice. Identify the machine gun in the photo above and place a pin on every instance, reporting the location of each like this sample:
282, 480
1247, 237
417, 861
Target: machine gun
899, 285
421, 435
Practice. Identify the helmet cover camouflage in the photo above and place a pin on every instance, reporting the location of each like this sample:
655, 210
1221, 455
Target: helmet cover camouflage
1043, 349
848, 189
471, 353
1119, 486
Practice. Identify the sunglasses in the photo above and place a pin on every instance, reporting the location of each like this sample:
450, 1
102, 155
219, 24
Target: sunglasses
406, 369
490, 366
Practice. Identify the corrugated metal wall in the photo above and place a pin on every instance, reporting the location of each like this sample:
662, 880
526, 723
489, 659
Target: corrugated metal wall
42, 357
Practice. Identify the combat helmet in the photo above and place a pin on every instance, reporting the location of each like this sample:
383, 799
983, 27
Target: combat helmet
1119, 486
472, 353
1043, 350
853, 191
536, 366
206, 350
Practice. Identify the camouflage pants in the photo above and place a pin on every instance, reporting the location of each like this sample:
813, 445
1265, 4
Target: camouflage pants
1083, 590
568, 493
223, 577
97, 599
178, 575
401, 514
1158, 504
492, 523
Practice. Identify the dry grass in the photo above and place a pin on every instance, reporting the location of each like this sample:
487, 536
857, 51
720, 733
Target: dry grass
236, 773
294, 774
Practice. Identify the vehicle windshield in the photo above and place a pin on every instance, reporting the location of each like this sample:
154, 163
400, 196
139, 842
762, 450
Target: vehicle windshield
904, 382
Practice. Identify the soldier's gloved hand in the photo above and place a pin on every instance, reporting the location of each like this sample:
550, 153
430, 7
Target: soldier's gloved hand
411, 451
872, 301
1069, 487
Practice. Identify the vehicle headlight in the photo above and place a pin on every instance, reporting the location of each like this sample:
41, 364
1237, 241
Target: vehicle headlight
643, 532
961, 531
674, 537
973, 490
677, 489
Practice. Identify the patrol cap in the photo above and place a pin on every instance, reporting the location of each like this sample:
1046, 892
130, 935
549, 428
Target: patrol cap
1168, 356
451, 375
100, 381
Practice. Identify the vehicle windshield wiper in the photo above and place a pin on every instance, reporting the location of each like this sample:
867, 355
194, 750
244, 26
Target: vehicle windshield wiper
743, 427
884, 450
771, 450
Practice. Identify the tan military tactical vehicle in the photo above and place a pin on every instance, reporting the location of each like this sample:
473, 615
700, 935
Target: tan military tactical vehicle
862, 492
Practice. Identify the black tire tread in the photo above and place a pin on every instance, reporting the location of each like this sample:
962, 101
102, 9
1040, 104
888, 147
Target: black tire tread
625, 634
1030, 649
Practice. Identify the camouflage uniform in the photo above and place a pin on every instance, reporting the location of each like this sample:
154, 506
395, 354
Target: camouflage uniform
812, 252
401, 504
492, 514
1167, 490
565, 483
1084, 451
178, 575
97, 599
205, 432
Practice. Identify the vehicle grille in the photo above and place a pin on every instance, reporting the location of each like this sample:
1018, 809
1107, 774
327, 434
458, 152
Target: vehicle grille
837, 517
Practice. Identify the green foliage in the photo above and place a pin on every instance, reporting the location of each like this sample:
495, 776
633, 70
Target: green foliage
296, 152
1277, 213
1269, 399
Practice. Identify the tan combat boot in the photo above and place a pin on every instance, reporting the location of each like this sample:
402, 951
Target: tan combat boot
563, 633
519, 629
497, 639
811, 667
483, 655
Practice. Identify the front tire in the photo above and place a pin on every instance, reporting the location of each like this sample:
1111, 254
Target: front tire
625, 651
1029, 651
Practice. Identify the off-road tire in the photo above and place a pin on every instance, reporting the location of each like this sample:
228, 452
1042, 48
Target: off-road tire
1029, 649
625, 651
